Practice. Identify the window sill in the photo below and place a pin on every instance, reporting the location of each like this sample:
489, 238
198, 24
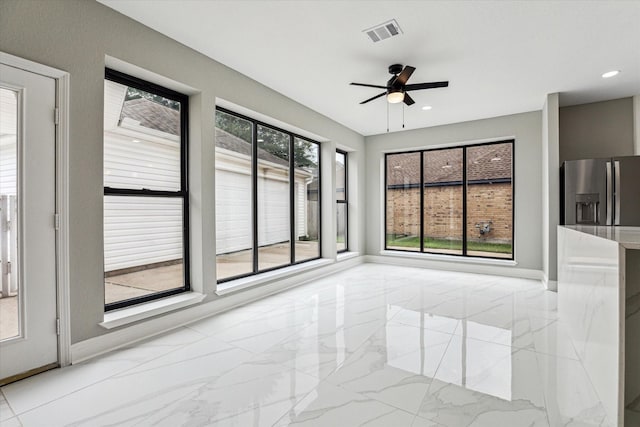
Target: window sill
450, 258
124, 316
262, 278
343, 256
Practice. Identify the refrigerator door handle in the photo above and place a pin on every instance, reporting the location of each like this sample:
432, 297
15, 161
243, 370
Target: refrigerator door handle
609, 195
616, 193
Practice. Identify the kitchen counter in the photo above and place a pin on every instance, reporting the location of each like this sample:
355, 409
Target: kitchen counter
628, 237
599, 301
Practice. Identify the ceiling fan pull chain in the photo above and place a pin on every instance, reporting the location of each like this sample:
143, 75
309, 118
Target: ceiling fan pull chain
387, 117
402, 116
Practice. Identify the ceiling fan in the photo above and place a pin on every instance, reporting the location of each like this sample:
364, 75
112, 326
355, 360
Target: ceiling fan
397, 87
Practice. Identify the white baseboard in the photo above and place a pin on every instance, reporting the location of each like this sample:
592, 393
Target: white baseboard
497, 270
101, 344
550, 285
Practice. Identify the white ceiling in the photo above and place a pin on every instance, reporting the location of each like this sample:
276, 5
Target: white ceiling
500, 57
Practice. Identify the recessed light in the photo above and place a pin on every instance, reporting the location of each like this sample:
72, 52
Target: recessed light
135, 140
427, 107
609, 74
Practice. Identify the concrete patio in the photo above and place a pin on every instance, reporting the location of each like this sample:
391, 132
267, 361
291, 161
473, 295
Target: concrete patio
145, 282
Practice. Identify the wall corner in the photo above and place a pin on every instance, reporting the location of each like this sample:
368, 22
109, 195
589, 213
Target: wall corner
636, 125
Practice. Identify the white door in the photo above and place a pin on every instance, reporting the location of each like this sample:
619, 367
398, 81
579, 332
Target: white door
28, 339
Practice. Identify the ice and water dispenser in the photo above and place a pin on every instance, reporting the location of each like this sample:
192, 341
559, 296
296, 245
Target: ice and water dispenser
587, 208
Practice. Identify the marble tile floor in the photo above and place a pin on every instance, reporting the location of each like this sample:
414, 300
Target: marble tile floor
374, 345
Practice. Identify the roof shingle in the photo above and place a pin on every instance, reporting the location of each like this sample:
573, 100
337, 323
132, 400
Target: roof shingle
485, 162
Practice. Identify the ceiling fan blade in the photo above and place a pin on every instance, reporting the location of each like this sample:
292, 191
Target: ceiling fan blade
368, 85
432, 85
404, 75
374, 97
408, 100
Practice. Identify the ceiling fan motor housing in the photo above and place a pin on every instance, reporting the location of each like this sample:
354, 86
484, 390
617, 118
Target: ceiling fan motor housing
393, 85
395, 68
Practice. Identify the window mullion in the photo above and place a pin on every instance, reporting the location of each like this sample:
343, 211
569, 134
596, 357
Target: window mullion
110, 191
422, 202
464, 201
254, 194
292, 218
346, 201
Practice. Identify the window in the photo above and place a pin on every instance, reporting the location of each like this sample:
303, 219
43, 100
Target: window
146, 210
342, 201
306, 199
456, 201
267, 197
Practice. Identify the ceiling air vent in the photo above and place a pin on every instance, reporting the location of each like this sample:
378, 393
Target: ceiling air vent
383, 31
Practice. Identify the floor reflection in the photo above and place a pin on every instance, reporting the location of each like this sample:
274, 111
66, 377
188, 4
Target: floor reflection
372, 345
468, 362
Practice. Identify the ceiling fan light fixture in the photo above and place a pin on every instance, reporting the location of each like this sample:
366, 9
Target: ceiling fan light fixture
395, 97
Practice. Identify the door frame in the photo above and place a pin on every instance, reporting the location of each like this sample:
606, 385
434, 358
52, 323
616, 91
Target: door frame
62, 79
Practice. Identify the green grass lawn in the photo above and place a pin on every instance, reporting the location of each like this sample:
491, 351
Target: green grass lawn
414, 242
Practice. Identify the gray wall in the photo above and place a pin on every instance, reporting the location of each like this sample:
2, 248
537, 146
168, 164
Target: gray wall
636, 125
75, 36
599, 129
550, 189
525, 128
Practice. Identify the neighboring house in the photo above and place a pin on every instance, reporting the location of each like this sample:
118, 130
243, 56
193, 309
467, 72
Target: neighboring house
489, 196
8, 132
140, 230
233, 202
147, 231
8, 186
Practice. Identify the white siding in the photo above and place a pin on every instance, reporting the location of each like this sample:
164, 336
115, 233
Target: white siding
233, 211
301, 208
273, 208
141, 230
8, 164
141, 163
8, 131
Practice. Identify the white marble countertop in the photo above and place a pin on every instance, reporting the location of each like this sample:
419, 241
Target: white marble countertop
629, 237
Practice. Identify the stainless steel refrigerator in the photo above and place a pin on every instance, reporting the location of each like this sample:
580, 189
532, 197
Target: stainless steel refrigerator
601, 191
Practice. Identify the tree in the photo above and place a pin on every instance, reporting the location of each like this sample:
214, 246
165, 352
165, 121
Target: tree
270, 140
234, 125
133, 93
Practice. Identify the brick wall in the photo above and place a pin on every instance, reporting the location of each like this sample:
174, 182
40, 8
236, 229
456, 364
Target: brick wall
403, 211
490, 202
443, 212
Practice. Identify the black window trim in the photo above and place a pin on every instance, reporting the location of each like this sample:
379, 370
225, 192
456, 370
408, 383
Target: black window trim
183, 193
254, 196
464, 148
345, 201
